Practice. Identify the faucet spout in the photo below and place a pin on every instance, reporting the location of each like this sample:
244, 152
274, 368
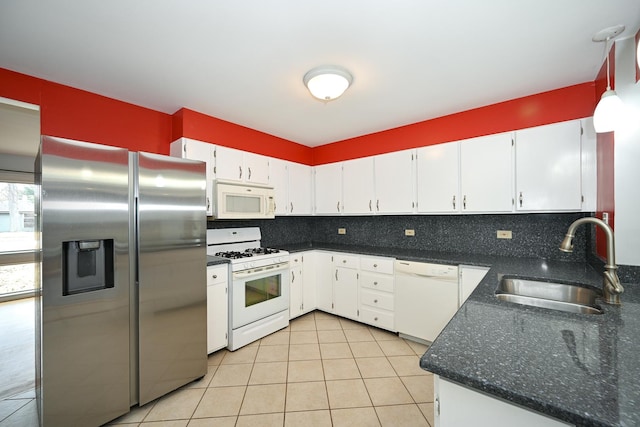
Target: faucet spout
611, 287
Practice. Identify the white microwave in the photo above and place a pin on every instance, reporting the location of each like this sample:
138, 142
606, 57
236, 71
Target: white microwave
242, 201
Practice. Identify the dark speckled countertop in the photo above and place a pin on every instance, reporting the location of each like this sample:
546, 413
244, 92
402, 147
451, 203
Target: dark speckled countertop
580, 368
215, 260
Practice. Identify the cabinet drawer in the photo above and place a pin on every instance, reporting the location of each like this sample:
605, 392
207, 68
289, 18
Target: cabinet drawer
347, 261
377, 282
377, 318
378, 265
377, 299
216, 275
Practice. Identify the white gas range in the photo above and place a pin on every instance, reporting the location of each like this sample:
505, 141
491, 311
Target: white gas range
259, 289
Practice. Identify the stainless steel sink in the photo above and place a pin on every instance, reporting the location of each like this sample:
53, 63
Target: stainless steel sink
552, 295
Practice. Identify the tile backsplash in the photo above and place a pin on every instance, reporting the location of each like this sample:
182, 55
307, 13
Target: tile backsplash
533, 235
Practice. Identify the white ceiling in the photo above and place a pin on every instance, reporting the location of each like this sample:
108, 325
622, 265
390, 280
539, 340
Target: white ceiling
243, 61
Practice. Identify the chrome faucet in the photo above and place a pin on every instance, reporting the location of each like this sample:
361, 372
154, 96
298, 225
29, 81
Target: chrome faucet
611, 287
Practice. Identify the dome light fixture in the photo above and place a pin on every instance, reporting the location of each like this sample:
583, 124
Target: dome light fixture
327, 82
610, 108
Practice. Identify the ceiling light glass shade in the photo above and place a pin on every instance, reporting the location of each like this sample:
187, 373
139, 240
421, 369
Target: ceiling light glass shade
608, 112
327, 83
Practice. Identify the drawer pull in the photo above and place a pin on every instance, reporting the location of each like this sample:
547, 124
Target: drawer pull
375, 265
375, 283
344, 261
375, 319
375, 301
215, 276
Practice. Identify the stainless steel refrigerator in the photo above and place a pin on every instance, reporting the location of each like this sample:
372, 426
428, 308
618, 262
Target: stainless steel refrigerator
121, 306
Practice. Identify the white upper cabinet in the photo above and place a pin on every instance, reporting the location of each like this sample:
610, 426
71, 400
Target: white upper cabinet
300, 194
279, 180
438, 172
240, 166
357, 186
328, 189
395, 182
292, 184
486, 174
548, 168
197, 150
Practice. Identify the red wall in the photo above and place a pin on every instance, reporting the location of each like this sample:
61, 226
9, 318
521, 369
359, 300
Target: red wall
191, 124
568, 103
77, 114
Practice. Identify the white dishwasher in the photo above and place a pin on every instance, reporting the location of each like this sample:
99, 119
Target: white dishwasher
426, 298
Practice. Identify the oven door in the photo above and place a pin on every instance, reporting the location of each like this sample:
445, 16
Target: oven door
259, 292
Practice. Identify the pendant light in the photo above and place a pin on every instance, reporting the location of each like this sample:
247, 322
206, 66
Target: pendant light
327, 82
609, 109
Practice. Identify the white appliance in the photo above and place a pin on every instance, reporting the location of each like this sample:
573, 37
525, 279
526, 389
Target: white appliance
426, 298
259, 290
241, 201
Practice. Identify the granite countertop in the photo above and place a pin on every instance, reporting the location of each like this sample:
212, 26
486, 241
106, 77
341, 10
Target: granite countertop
215, 260
580, 368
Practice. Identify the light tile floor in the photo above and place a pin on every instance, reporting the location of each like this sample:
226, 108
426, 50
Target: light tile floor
322, 370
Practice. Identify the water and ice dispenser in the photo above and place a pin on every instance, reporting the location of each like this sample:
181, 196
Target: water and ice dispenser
88, 266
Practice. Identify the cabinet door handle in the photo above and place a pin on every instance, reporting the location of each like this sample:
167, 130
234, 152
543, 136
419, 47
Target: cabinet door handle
378, 205
249, 177
240, 168
336, 274
338, 206
293, 276
369, 205
291, 207
454, 202
208, 204
464, 202
520, 198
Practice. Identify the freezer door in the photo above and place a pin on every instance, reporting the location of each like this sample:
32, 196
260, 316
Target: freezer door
82, 339
172, 291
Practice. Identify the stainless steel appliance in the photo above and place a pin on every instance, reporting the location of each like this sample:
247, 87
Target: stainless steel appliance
259, 291
233, 200
121, 306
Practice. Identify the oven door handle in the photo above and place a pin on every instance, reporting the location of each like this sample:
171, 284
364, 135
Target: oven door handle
259, 271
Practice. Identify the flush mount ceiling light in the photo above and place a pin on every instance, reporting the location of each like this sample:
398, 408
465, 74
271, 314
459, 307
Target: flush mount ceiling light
610, 107
327, 82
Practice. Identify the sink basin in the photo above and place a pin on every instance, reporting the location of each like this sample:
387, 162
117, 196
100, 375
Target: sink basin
552, 295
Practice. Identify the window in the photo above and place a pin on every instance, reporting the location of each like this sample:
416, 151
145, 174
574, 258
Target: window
18, 242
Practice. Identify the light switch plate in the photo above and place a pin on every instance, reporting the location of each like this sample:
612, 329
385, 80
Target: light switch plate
409, 232
504, 234
342, 231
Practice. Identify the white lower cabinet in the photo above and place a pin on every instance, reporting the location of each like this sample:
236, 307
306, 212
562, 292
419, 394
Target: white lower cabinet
469, 278
323, 262
345, 286
217, 307
302, 294
479, 409
376, 299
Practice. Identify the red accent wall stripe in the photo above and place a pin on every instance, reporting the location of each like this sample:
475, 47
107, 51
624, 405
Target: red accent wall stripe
558, 105
191, 124
77, 114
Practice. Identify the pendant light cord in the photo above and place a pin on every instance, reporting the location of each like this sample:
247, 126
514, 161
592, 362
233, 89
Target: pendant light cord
606, 52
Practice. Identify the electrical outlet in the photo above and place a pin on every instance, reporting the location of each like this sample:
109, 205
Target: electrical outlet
342, 231
504, 234
605, 217
409, 232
